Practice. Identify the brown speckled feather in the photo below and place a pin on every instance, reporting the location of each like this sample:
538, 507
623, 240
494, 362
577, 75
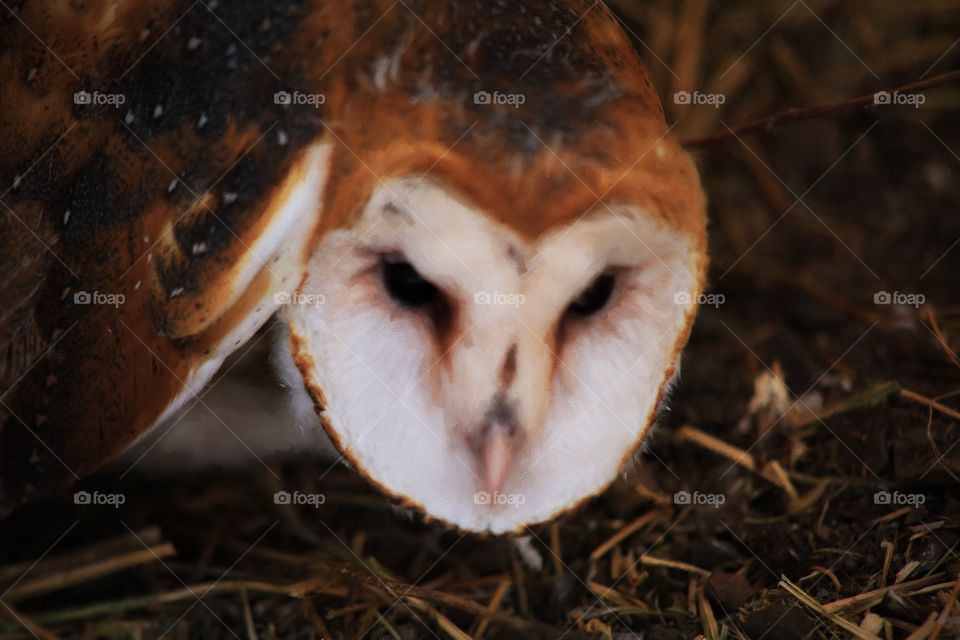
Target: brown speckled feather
160, 198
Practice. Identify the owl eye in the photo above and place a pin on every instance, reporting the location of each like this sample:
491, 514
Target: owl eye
594, 297
405, 284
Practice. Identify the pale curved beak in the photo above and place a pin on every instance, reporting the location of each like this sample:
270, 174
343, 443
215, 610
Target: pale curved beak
496, 444
497, 458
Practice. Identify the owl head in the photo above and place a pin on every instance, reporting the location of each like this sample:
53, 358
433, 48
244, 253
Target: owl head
506, 266
502, 294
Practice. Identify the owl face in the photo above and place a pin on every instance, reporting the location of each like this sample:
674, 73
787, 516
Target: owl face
491, 380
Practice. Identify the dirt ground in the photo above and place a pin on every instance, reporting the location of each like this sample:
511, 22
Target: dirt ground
802, 483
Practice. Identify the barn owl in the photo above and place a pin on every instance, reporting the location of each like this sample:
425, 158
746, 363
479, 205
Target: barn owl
483, 243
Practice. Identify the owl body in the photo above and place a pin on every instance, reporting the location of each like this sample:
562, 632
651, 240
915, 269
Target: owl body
470, 217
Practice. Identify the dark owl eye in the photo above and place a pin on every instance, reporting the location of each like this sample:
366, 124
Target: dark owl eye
405, 284
594, 297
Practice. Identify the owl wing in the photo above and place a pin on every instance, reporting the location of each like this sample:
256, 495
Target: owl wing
155, 196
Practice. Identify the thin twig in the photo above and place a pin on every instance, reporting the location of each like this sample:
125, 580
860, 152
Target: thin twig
817, 111
930, 402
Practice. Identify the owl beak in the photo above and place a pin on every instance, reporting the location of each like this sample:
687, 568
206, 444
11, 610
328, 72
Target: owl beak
497, 443
497, 459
